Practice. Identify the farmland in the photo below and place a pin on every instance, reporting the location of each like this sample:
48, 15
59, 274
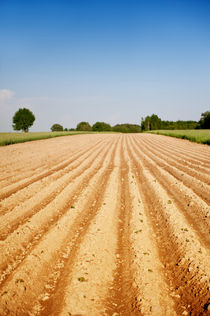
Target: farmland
14, 138
199, 136
105, 224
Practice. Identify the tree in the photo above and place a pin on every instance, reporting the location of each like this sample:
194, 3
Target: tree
56, 128
205, 120
127, 128
83, 126
23, 119
101, 126
155, 122
146, 123
150, 123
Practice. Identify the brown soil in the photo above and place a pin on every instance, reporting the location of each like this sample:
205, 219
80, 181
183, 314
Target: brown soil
105, 225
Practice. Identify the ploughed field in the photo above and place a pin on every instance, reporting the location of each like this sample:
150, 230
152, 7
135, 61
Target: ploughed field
105, 225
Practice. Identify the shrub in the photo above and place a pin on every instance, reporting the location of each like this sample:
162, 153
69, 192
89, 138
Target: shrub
101, 127
56, 128
127, 128
83, 126
205, 120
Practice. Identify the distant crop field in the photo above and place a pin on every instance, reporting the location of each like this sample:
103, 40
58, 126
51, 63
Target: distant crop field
13, 138
199, 136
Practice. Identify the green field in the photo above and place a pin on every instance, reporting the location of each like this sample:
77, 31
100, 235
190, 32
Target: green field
196, 135
13, 138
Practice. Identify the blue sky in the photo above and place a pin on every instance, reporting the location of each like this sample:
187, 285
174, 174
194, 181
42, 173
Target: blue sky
113, 61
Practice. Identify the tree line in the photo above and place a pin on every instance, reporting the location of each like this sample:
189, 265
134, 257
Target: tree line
24, 118
100, 127
153, 122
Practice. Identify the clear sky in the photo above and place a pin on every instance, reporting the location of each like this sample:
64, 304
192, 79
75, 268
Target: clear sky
104, 60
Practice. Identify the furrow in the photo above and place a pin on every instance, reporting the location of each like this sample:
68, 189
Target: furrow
22, 293
20, 242
122, 229
195, 151
20, 214
202, 174
43, 153
13, 188
18, 175
122, 296
153, 293
186, 261
180, 150
87, 276
201, 189
194, 209
25, 154
35, 188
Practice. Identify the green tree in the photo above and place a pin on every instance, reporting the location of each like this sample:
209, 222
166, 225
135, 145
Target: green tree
205, 120
155, 122
150, 123
120, 128
56, 128
83, 126
101, 127
127, 128
23, 119
146, 123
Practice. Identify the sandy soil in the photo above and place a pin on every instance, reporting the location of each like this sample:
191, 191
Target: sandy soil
105, 225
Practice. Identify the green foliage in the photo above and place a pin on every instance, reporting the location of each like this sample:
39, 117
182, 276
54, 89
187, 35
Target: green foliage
101, 127
83, 126
145, 124
153, 122
127, 128
56, 128
23, 119
150, 123
178, 125
205, 120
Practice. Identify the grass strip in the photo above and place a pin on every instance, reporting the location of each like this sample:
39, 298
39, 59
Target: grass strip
201, 136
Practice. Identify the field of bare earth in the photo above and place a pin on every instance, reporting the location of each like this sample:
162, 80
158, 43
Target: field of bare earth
105, 224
